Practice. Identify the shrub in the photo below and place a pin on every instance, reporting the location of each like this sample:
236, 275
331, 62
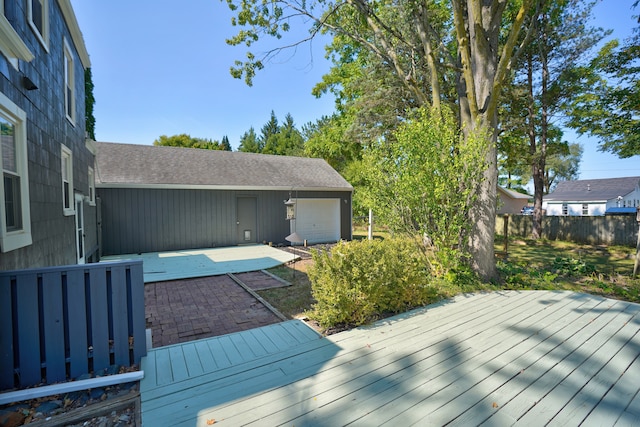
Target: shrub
359, 281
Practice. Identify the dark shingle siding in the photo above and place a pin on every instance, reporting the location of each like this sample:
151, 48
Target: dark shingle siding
593, 189
128, 164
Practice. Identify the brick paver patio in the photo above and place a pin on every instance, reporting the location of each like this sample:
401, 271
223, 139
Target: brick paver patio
184, 310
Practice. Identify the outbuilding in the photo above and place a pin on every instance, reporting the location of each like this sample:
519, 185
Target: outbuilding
593, 197
155, 199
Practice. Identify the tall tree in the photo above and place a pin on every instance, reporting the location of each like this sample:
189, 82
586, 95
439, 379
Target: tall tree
608, 107
561, 40
405, 36
249, 142
224, 144
269, 130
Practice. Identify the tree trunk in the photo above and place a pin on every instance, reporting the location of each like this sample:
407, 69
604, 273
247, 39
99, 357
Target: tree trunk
537, 172
479, 57
540, 157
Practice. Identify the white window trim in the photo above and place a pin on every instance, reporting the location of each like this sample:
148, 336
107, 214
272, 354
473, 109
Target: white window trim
42, 38
92, 187
65, 151
11, 45
12, 240
69, 74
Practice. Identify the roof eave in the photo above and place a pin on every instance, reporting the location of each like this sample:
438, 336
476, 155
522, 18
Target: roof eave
216, 187
76, 34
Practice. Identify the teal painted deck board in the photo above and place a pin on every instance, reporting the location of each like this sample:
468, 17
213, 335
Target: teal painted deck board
254, 345
264, 340
163, 368
564, 369
178, 364
394, 384
333, 375
448, 362
218, 353
192, 360
205, 356
209, 357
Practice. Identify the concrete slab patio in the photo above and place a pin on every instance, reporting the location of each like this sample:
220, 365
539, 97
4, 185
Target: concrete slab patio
161, 266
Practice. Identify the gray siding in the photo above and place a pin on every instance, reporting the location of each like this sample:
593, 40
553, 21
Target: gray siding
153, 220
53, 233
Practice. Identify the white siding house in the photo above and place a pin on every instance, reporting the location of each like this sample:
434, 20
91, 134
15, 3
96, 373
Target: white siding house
592, 197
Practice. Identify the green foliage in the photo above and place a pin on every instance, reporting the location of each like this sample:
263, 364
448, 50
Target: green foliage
225, 144
520, 276
360, 281
286, 140
424, 184
282, 140
608, 106
89, 102
572, 267
249, 142
186, 141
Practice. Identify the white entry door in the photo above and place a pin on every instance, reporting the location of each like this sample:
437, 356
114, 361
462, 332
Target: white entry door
80, 228
317, 220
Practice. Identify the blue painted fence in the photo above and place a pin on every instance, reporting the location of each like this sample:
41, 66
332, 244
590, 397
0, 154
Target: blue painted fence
62, 322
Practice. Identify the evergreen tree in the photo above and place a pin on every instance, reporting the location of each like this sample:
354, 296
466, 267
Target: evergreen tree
224, 145
249, 142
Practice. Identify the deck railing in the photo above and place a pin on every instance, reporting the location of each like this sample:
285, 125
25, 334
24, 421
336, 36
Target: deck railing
59, 323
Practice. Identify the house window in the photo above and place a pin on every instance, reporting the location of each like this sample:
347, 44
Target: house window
69, 84
585, 209
565, 209
11, 45
39, 20
15, 219
67, 182
92, 187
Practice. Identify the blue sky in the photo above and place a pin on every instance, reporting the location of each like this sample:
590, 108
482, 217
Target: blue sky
163, 69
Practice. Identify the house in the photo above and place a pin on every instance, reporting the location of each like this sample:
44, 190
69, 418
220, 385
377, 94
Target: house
47, 202
511, 202
156, 199
592, 197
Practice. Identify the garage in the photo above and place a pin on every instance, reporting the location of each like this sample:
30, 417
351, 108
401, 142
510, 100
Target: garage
157, 199
317, 220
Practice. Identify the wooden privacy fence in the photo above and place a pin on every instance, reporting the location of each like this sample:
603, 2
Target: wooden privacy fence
594, 230
62, 322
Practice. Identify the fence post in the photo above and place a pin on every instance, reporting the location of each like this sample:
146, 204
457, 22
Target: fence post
635, 266
506, 236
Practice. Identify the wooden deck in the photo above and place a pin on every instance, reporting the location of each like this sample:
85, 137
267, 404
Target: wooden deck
502, 358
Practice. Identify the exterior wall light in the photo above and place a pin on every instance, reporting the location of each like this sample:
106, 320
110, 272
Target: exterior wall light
291, 209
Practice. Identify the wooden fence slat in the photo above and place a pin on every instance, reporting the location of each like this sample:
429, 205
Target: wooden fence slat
77, 323
99, 319
6, 334
28, 328
120, 317
593, 230
137, 312
50, 316
53, 327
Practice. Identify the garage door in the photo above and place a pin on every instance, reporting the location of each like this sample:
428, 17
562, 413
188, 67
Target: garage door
317, 220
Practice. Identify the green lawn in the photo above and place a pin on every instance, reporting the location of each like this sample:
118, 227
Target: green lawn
602, 270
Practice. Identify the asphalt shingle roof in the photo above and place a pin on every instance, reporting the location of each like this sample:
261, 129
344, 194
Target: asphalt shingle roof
146, 165
593, 189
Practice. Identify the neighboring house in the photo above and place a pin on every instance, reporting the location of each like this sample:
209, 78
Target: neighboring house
166, 198
511, 202
47, 201
592, 197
